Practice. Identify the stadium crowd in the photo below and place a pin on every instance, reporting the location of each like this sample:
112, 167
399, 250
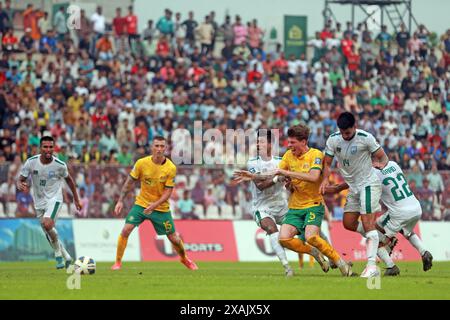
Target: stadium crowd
105, 90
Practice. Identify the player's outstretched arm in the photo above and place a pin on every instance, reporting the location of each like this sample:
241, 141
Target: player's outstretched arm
244, 175
327, 160
336, 188
73, 188
311, 176
127, 187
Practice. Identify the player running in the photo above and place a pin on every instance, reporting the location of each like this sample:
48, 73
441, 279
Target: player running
47, 177
354, 149
156, 174
269, 205
404, 212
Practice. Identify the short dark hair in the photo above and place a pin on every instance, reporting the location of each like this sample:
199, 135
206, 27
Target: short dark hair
46, 138
300, 132
159, 138
265, 133
346, 120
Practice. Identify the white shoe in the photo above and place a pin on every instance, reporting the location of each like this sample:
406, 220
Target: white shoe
289, 272
370, 272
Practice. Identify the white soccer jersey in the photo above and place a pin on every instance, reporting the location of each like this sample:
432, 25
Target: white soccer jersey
47, 180
272, 197
396, 195
354, 157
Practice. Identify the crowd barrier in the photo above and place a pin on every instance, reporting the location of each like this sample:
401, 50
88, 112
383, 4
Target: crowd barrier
205, 240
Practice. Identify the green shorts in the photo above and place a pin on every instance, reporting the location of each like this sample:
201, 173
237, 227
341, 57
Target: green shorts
300, 218
162, 221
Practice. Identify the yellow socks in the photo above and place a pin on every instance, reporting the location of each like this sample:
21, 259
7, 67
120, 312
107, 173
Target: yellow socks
325, 248
296, 245
121, 245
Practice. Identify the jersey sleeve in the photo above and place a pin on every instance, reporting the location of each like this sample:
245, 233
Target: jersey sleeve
330, 147
170, 182
25, 171
284, 163
372, 144
64, 171
317, 161
136, 171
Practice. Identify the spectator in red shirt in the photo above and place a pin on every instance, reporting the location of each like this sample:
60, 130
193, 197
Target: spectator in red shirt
281, 63
326, 34
353, 61
9, 41
254, 75
131, 28
162, 47
346, 45
119, 28
167, 71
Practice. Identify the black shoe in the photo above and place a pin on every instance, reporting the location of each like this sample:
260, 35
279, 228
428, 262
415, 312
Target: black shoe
427, 260
392, 245
391, 272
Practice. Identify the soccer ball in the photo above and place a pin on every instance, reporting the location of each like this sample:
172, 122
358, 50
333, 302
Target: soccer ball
84, 265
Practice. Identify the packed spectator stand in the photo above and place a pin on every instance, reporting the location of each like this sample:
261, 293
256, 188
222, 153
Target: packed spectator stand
105, 90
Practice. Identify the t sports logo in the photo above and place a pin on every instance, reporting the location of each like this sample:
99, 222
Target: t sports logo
165, 247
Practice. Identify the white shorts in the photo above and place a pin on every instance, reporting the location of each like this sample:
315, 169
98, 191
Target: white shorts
51, 211
277, 214
365, 200
393, 225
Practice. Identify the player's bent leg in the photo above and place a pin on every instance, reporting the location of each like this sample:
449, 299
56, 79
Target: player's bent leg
416, 242
48, 225
268, 225
287, 240
178, 245
122, 242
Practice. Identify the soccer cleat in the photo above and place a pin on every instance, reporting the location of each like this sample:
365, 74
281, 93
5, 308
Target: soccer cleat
289, 272
189, 263
323, 262
68, 263
427, 260
59, 263
370, 272
117, 266
332, 264
391, 245
346, 269
391, 272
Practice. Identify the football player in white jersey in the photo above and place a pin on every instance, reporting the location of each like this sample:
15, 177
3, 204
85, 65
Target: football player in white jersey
269, 204
402, 215
354, 149
47, 178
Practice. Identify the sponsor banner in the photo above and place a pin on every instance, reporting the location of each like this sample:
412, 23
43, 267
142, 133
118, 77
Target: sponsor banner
203, 241
98, 239
24, 239
295, 35
352, 246
254, 244
436, 239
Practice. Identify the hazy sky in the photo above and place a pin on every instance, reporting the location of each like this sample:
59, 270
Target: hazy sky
433, 13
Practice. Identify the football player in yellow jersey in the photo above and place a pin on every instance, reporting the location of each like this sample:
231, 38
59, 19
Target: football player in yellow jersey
303, 166
156, 174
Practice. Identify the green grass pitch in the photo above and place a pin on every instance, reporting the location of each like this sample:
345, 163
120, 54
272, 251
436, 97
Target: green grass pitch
218, 280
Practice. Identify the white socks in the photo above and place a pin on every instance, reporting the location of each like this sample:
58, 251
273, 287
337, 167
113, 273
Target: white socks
384, 256
360, 229
372, 247
417, 243
279, 250
54, 242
